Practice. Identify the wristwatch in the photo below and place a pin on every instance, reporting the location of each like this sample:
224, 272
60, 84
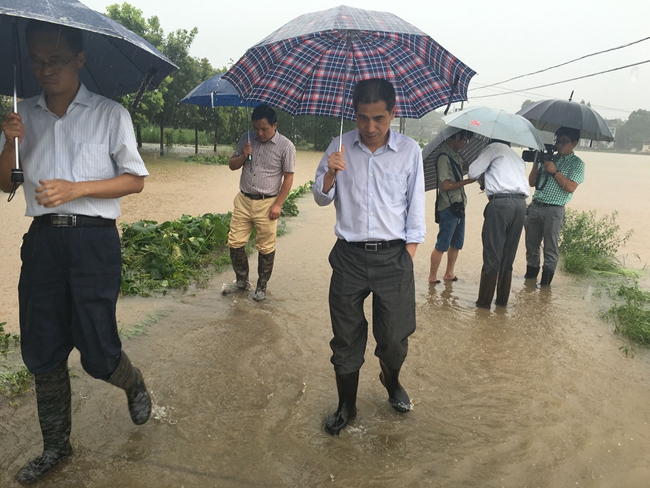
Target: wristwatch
556, 172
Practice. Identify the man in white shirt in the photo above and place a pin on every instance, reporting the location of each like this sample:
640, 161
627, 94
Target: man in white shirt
79, 156
376, 181
506, 186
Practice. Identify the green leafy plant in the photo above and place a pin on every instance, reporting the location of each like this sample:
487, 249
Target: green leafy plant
218, 159
289, 207
631, 317
587, 243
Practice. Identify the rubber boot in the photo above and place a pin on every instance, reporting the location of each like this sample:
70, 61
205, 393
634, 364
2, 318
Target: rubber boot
397, 396
531, 272
53, 398
264, 270
547, 277
129, 378
239, 261
503, 288
486, 290
347, 385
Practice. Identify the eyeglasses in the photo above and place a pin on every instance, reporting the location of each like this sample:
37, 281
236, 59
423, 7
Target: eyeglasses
54, 64
563, 142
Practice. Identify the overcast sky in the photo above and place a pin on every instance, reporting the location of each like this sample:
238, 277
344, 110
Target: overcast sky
499, 39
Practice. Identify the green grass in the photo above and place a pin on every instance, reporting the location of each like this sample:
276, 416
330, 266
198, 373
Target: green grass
15, 380
142, 327
590, 244
631, 313
218, 159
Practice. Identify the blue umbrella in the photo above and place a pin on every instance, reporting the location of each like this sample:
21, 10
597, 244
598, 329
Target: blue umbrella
216, 92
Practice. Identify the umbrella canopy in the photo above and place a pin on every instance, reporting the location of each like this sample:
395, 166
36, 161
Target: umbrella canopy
550, 115
117, 60
217, 92
496, 124
433, 149
311, 65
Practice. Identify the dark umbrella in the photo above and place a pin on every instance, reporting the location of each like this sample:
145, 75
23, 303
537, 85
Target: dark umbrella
217, 92
434, 148
117, 60
311, 65
550, 115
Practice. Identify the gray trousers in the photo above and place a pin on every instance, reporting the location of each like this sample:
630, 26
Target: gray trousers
504, 220
543, 224
388, 275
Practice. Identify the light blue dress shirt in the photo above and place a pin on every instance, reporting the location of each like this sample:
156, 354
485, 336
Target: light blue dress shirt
504, 170
379, 196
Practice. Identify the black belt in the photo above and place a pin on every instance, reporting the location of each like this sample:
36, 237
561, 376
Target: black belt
542, 204
506, 195
376, 245
56, 220
257, 197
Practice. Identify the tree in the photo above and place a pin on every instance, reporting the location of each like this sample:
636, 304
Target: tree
526, 104
635, 132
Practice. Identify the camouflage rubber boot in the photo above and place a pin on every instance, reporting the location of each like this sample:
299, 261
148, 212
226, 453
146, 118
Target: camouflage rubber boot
129, 378
53, 398
397, 396
240, 267
264, 270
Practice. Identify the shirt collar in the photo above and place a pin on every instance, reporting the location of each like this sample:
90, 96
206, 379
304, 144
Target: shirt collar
272, 139
390, 144
82, 97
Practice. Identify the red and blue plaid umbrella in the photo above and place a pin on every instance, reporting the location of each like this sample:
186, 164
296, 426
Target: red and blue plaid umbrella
311, 65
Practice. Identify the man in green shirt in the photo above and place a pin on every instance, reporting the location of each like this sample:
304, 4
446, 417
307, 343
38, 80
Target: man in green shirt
554, 182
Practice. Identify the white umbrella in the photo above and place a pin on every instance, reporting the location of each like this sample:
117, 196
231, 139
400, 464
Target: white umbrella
497, 124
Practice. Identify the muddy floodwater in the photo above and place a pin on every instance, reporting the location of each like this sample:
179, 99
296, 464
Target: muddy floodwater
538, 394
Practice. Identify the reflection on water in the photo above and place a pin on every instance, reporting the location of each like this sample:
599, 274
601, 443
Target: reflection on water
533, 394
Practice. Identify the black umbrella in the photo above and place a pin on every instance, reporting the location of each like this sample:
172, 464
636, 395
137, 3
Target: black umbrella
550, 115
117, 60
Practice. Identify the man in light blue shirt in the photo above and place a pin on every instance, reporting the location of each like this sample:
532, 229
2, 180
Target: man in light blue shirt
376, 182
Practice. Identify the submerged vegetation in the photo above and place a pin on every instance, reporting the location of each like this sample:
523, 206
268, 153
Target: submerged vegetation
12, 381
218, 159
173, 254
630, 313
589, 244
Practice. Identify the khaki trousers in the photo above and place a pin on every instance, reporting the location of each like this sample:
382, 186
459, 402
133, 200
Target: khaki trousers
249, 214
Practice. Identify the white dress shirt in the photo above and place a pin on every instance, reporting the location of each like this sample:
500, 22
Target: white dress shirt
504, 170
379, 196
94, 140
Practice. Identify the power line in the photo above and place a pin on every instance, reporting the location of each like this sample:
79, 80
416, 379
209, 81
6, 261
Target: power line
563, 81
562, 64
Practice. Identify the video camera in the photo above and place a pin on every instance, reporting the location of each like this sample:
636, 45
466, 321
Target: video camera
531, 156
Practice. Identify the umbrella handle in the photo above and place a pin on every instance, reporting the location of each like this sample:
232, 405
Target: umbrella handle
453, 92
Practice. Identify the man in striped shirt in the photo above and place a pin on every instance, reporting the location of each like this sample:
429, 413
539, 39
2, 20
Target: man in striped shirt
79, 156
267, 161
554, 182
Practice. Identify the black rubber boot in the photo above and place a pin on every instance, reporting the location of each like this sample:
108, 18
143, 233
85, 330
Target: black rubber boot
129, 378
264, 270
239, 261
547, 277
347, 385
486, 290
531, 272
397, 396
53, 397
503, 288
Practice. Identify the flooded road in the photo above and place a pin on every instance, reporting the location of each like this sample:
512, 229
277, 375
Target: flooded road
534, 395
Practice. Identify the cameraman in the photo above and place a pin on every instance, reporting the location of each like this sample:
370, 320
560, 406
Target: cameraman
554, 184
450, 204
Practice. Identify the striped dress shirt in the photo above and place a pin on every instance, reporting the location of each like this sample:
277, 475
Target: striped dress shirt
271, 159
94, 140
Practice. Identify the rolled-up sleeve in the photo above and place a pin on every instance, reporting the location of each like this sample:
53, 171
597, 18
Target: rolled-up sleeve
321, 198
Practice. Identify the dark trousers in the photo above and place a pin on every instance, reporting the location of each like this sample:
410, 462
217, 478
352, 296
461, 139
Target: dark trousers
69, 284
388, 275
543, 225
504, 220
